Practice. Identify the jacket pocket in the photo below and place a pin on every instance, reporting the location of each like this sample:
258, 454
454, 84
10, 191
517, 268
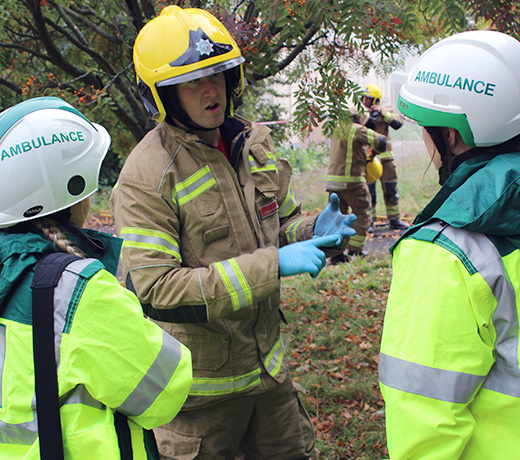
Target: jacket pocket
214, 234
175, 445
209, 352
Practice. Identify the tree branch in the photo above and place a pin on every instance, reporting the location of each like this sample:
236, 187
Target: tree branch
11, 86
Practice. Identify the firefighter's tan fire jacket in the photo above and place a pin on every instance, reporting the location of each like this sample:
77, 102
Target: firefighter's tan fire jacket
387, 119
348, 155
200, 247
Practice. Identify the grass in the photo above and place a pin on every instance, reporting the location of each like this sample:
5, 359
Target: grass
332, 335
335, 322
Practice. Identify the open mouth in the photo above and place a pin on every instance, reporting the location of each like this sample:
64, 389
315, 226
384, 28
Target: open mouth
213, 107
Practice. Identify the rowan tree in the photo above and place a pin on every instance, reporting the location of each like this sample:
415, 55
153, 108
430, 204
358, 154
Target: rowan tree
82, 51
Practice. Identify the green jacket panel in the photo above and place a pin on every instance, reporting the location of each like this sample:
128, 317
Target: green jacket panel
201, 236
136, 369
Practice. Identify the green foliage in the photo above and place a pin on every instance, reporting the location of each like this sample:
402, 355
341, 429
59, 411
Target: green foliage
307, 159
82, 51
258, 107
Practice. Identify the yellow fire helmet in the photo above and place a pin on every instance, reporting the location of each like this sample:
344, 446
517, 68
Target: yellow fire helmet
374, 169
374, 92
181, 45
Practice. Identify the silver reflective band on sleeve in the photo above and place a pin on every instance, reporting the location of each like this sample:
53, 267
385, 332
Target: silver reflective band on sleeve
273, 361
156, 379
80, 395
235, 282
21, 433
290, 233
370, 137
440, 384
154, 240
288, 205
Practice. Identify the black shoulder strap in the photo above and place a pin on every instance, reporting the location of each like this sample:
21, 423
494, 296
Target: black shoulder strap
46, 277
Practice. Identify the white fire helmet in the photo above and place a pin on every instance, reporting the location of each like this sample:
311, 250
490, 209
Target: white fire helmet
50, 158
471, 82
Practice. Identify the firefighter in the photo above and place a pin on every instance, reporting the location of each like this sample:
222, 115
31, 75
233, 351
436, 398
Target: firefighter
203, 206
346, 176
381, 120
448, 367
109, 356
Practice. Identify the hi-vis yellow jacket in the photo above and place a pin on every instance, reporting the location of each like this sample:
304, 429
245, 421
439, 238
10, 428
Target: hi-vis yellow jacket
109, 357
200, 247
449, 363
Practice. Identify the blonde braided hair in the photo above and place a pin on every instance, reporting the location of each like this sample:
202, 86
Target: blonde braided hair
52, 232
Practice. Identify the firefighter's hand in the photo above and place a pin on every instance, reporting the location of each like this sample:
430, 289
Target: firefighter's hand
305, 256
331, 220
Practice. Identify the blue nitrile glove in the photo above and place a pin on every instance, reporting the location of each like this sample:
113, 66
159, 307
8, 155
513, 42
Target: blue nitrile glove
331, 220
305, 256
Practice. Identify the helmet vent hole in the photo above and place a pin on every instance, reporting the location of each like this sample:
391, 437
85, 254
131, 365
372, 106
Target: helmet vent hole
76, 185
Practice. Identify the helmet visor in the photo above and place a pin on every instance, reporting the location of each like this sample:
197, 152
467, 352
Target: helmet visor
200, 73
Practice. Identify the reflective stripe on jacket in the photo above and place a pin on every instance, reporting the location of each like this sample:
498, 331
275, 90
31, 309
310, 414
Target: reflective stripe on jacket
109, 357
200, 245
449, 362
348, 155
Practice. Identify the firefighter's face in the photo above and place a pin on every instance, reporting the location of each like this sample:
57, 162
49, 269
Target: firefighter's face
204, 100
367, 101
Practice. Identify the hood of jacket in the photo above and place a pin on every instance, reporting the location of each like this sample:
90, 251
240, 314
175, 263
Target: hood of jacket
482, 196
20, 252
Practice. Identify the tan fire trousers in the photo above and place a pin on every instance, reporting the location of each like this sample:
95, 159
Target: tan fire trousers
272, 425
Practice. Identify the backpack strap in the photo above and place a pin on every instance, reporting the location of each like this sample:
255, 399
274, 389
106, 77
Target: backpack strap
46, 276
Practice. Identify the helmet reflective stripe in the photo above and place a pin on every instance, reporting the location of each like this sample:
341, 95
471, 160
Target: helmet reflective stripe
50, 157
428, 117
471, 82
12, 115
